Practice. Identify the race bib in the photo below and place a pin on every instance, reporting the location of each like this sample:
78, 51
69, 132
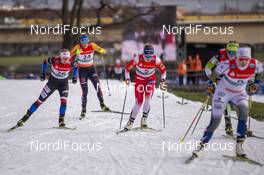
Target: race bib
59, 74
85, 58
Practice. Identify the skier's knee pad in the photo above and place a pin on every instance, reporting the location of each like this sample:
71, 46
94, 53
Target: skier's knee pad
63, 100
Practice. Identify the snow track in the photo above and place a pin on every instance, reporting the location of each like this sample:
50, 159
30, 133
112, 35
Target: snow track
134, 153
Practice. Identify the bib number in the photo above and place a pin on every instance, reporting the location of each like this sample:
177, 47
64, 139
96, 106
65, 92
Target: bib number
85, 58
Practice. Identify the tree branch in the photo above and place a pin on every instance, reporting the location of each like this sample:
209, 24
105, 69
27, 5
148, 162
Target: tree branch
79, 11
130, 19
73, 12
98, 13
65, 11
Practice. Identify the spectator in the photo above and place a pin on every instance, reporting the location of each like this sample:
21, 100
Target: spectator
197, 63
196, 66
118, 70
109, 72
182, 71
189, 72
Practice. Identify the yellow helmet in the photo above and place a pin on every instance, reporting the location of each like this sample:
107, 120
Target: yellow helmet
232, 46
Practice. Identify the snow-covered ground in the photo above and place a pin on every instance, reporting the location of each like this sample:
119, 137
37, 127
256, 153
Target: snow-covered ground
105, 152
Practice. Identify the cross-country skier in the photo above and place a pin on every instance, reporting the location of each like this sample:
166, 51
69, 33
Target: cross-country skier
84, 53
145, 80
58, 80
232, 88
228, 53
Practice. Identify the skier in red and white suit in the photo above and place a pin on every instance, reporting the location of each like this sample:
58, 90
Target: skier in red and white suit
145, 80
233, 87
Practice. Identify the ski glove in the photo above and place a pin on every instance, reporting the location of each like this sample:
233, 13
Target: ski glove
163, 85
102, 51
252, 88
210, 87
42, 77
127, 82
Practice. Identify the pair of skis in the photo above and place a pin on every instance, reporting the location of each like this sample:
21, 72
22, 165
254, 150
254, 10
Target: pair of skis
234, 138
233, 158
113, 111
55, 127
66, 127
13, 128
144, 129
243, 159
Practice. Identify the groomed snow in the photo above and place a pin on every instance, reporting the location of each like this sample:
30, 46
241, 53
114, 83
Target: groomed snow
137, 153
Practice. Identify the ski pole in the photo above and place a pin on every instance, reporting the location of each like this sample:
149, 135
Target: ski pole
163, 109
123, 109
108, 88
182, 139
249, 122
249, 132
182, 102
200, 115
250, 106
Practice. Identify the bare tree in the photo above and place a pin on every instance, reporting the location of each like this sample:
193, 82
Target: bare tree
71, 12
72, 18
121, 15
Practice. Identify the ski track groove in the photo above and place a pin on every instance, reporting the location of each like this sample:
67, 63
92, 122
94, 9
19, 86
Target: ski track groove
28, 164
115, 163
157, 167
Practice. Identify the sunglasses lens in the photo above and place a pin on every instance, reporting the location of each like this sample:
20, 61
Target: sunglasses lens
84, 41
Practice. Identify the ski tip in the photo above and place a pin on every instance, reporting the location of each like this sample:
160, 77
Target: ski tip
187, 161
9, 130
181, 140
82, 118
12, 129
118, 132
